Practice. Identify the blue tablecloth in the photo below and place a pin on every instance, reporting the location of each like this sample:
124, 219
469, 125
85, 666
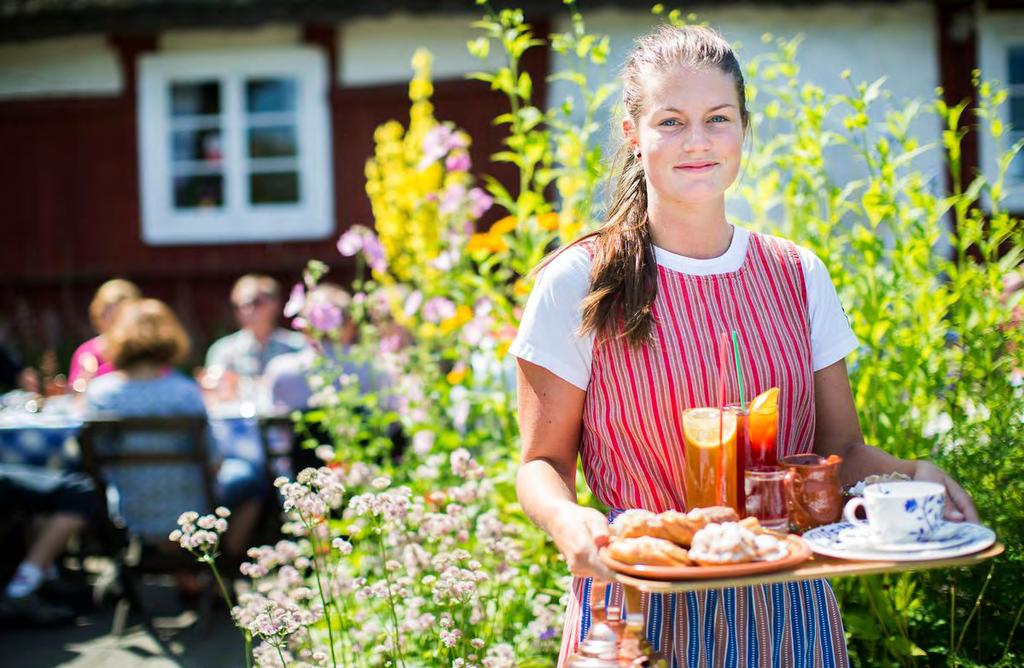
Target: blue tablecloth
52, 443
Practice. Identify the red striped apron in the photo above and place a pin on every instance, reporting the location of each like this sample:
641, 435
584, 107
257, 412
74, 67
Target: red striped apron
632, 453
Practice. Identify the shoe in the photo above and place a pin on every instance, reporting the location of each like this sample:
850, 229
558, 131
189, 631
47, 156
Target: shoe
33, 610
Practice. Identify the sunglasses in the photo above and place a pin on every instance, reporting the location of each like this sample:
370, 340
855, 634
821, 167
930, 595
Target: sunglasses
255, 302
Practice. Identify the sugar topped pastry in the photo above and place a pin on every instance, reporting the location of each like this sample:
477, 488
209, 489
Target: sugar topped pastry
724, 543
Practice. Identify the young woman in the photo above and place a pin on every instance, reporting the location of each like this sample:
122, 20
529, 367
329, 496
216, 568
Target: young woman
90, 359
620, 337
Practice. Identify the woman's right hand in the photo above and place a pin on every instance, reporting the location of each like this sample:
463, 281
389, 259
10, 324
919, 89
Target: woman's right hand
579, 532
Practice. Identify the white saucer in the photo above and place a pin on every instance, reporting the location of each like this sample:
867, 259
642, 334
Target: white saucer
945, 535
846, 541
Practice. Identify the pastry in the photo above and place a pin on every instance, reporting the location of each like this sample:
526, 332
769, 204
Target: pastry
649, 551
713, 515
725, 543
632, 523
674, 526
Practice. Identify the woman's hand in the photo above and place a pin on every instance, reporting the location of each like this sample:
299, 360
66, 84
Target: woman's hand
579, 532
959, 506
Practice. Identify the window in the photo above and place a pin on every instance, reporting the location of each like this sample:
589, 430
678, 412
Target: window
234, 146
1015, 104
1001, 57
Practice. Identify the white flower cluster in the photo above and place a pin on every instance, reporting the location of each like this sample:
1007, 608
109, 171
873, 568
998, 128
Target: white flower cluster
201, 534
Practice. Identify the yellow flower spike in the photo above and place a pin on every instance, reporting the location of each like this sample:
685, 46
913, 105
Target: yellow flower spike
463, 313
521, 288
502, 349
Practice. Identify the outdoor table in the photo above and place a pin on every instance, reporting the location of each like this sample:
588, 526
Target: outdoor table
51, 442
817, 566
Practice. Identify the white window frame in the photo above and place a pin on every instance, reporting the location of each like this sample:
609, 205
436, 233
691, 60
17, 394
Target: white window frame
237, 221
999, 32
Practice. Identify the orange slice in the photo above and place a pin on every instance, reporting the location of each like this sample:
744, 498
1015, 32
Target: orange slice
701, 427
767, 401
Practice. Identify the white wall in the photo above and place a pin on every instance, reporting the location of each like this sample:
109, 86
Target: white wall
186, 40
71, 66
872, 41
378, 50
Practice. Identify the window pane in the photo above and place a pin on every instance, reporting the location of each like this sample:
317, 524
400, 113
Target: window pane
199, 98
198, 191
269, 95
1017, 112
204, 145
274, 188
1016, 65
272, 142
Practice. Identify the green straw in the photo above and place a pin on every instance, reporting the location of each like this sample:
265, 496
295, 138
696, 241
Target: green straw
739, 371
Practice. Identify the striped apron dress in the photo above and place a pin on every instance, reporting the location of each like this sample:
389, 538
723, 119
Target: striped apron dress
633, 455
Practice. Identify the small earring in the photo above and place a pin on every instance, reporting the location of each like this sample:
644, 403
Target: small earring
636, 153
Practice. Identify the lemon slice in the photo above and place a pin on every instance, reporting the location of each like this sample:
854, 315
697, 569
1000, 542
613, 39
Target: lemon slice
701, 427
766, 401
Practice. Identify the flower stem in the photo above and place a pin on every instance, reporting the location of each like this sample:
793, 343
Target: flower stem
400, 660
280, 654
320, 587
227, 599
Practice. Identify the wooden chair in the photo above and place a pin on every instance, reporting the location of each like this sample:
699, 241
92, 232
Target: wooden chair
144, 476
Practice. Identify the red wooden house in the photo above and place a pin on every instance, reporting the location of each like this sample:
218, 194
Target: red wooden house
183, 143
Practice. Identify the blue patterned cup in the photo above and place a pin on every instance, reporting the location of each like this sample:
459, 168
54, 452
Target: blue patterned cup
899, 512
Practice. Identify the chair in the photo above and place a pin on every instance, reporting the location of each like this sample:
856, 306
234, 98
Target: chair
147, 471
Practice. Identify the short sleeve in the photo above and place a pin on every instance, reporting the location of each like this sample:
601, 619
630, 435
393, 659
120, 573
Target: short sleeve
548, 333
832, 338
220, 352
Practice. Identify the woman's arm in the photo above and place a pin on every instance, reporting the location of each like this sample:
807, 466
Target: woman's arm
837, 431
550, 422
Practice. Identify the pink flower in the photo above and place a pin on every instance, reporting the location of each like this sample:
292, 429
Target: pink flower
351, 242
438, 308
458, 162
452, 199
374, 252
325, 317
480, 202
438, 142
296, 300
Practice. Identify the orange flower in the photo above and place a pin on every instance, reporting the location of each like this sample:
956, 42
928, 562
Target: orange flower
548, 221
486, 241
504, 226
457, 375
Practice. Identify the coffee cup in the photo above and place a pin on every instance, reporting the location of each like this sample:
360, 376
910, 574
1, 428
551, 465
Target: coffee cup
899, 512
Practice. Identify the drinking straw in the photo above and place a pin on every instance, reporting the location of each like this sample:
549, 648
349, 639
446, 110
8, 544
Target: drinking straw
723, 353
739, 370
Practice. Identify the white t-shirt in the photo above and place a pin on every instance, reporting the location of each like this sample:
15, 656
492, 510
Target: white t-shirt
548, 331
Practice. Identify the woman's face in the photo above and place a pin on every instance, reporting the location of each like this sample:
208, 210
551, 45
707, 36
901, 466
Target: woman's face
690, 135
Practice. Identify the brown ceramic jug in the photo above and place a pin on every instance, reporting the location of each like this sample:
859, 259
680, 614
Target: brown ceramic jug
813, 490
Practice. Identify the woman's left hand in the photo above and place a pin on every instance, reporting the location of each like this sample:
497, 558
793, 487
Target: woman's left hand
959, 506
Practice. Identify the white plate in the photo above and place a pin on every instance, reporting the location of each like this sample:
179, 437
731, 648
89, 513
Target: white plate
946, 535
828, 540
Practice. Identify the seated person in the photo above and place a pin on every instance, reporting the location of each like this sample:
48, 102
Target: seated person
257, 303
90, 359
144, 341
68, 501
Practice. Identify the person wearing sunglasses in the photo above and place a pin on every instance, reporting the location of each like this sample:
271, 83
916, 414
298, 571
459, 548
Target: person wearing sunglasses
257, 305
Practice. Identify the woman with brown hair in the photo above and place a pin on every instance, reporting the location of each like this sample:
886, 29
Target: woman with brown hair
619, 337
144, 343
90, 359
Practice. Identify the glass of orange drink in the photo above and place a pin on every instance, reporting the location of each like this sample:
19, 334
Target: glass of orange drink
764, 429
710, 441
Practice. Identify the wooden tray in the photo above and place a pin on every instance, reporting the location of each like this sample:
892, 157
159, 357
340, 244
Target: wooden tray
798, 549
815, 567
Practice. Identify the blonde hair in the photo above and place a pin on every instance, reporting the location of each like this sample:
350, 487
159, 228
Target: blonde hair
146, 331
624, 274
110, 294
258, 283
